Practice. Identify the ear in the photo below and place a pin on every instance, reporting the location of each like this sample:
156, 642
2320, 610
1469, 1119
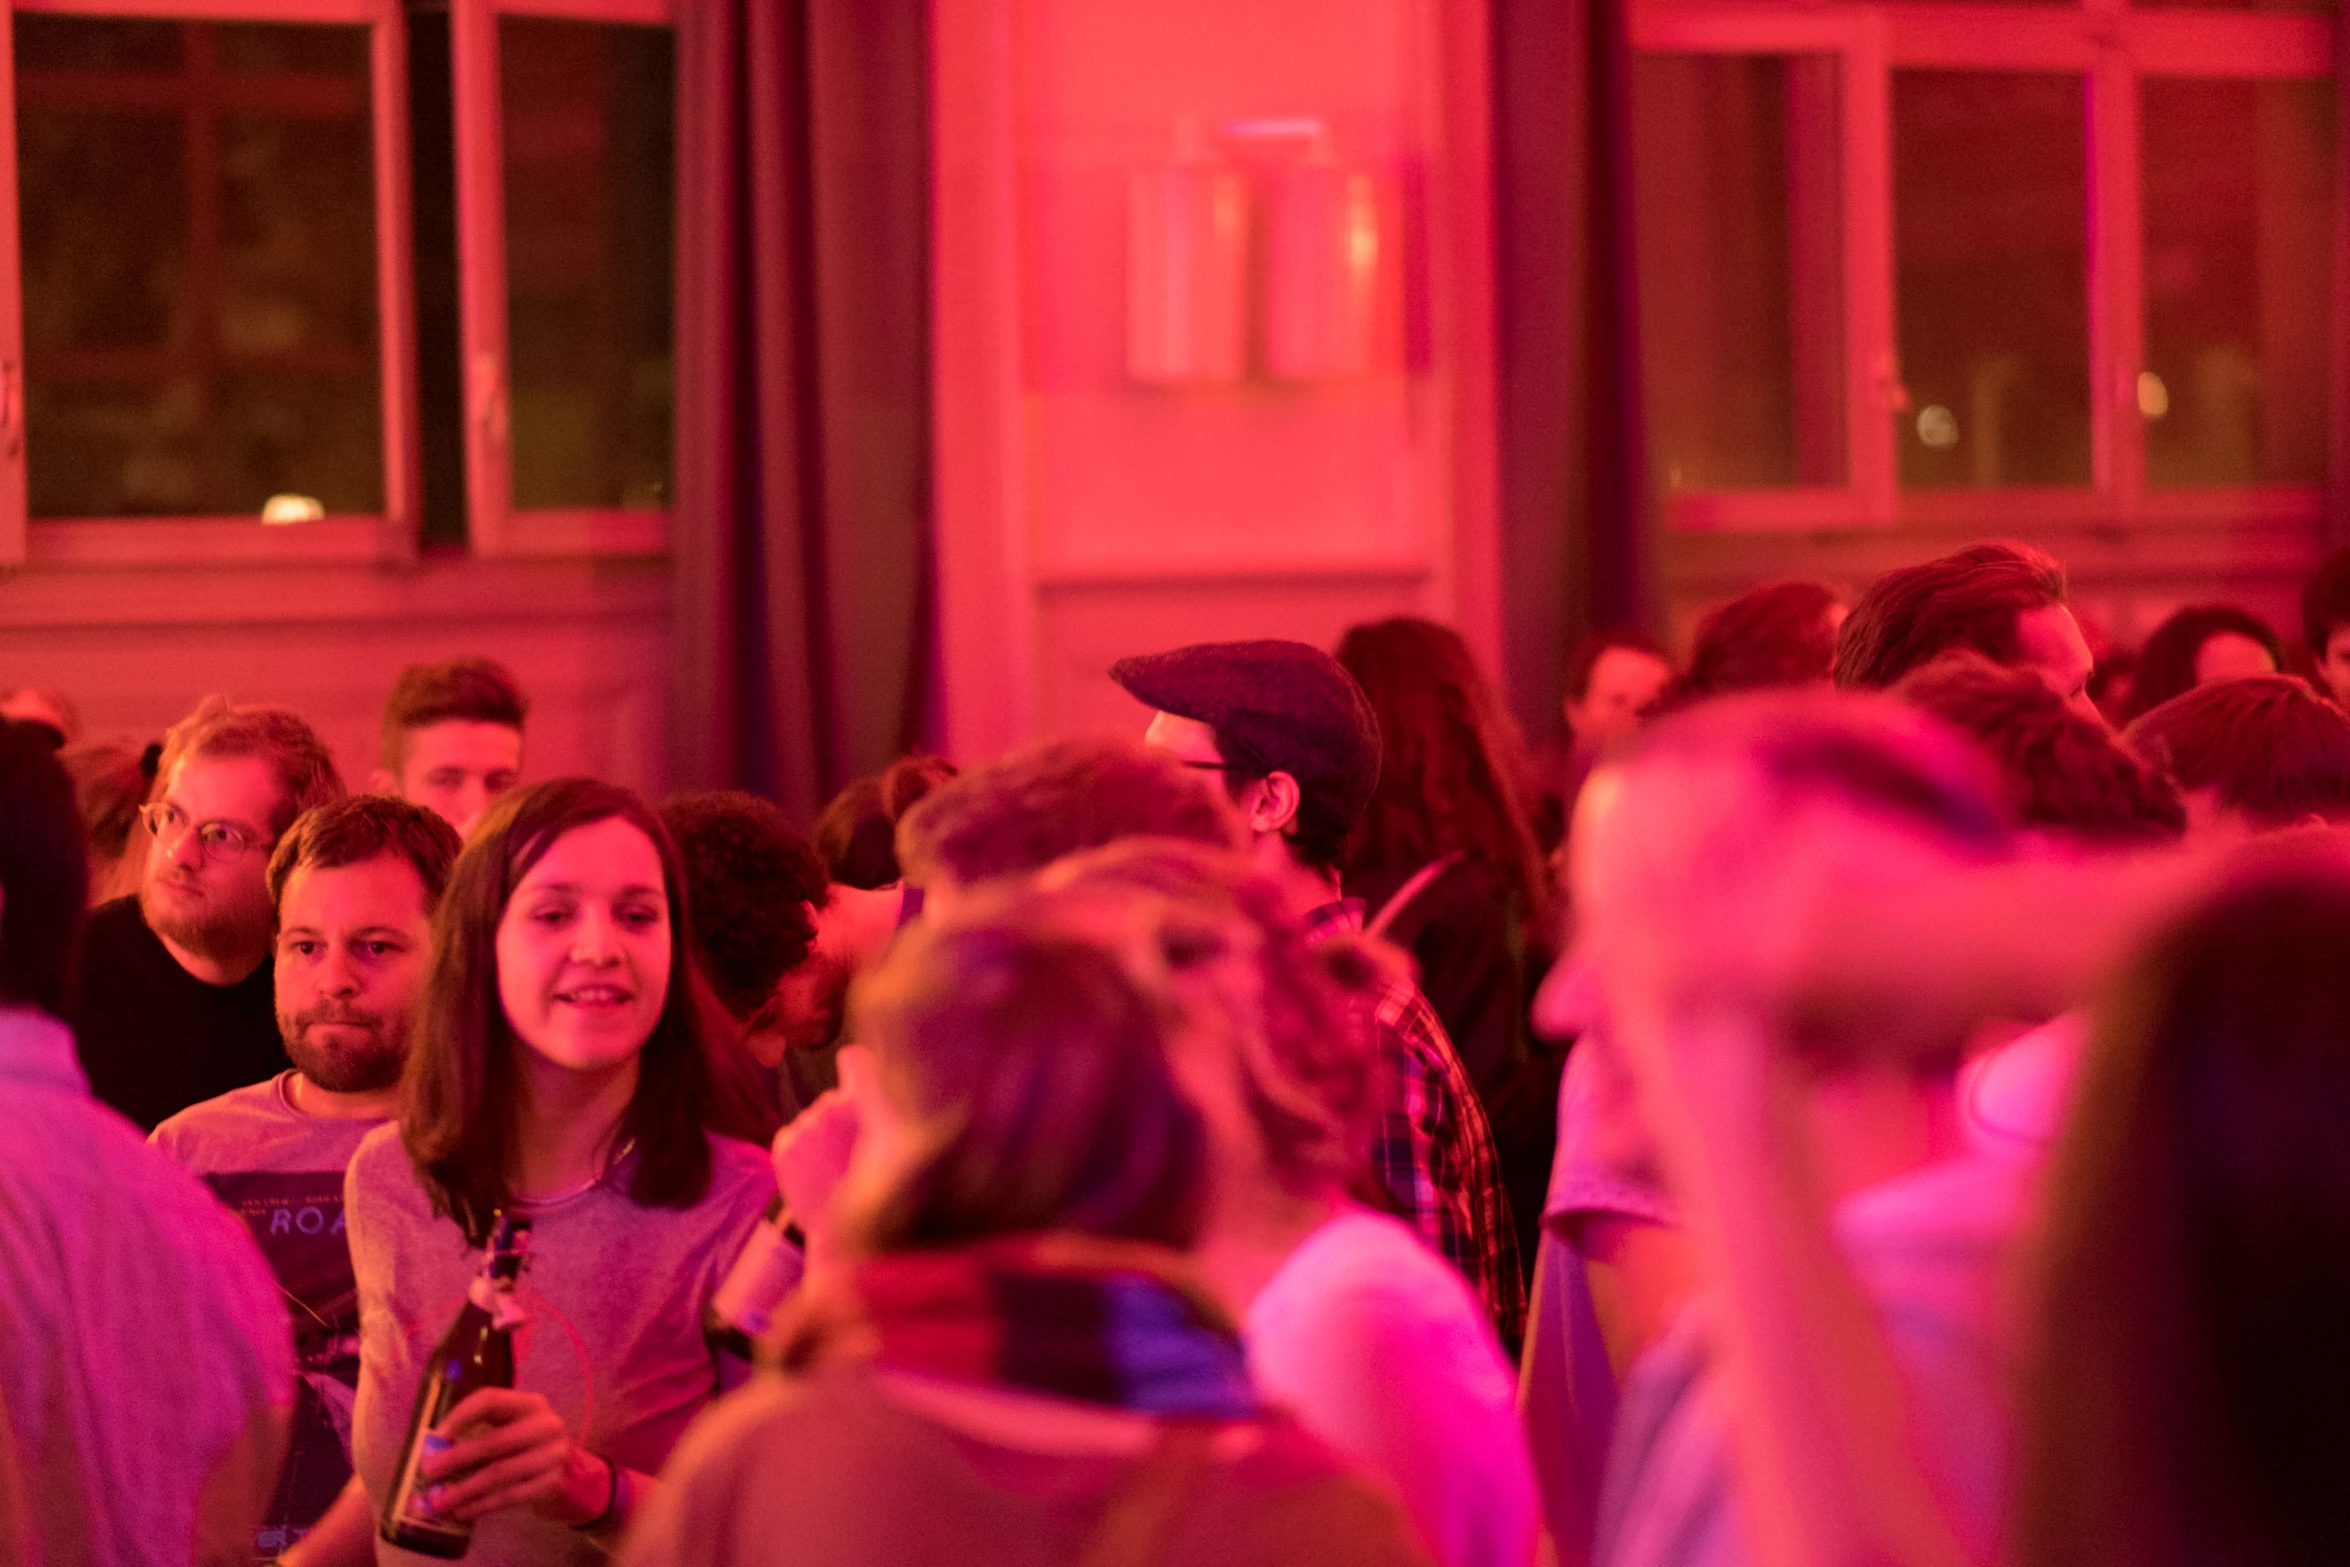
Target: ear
381, 782
1272, 805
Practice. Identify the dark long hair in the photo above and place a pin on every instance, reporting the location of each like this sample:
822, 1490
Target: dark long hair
1452, 772
2190, 1399
460, 1097
1779, 634
2166, 664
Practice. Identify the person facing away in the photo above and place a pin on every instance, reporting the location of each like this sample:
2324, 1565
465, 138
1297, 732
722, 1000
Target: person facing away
1447, 868
1375, 1343
2251, 755
177, 1004
1007, 1361
562, 1067
2005, 601
355, 884
1297, 746
145, 1369
452, 738
2195, 646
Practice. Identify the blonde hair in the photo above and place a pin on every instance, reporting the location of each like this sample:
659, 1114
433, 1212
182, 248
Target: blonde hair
304, 766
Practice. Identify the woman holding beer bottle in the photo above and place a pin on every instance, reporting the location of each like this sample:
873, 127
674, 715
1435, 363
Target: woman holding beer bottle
561, 1075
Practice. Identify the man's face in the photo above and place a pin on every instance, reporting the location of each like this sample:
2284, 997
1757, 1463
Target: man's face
2054, 649
214, 901
352, 944
458, 767
2336, 664
1624, 681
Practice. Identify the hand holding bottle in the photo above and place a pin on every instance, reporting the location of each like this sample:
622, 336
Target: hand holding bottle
508, 1448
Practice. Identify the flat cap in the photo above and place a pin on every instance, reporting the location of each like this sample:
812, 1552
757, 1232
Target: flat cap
1276, 706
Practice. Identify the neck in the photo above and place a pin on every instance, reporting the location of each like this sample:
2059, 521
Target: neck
1303, 890
372, 1104
221, 971
569, 1124
1251, 1234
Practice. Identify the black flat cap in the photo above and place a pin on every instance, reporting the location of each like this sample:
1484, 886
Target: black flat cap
1276, 706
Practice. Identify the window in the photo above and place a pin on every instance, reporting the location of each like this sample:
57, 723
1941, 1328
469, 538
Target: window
391, 273
1950, 263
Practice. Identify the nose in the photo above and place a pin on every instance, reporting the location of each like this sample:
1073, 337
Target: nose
338, 975
595, 938
473, 798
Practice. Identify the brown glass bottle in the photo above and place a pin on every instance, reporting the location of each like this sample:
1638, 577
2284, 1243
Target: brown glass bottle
476, 1352
770, 1266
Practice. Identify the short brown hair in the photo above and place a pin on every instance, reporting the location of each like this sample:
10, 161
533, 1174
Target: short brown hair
461, 1097
2273, 749
1971, 598
305, 768
1025, 812
476, 689
2064, 773
754, 880
362, 827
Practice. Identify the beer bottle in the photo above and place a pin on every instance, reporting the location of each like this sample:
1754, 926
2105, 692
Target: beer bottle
476, 1352
745, 1300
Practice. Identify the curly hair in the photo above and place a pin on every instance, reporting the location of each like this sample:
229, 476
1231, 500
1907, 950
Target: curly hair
754, 882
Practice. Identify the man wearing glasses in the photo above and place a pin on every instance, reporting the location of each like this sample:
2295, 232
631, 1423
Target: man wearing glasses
177, 1002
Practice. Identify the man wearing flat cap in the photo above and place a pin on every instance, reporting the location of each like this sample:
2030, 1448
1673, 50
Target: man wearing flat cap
1298, 748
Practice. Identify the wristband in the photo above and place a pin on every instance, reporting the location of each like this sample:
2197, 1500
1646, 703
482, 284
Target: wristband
604, 1520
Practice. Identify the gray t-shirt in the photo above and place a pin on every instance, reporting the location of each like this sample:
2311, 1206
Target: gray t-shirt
281, 1171
614, 1296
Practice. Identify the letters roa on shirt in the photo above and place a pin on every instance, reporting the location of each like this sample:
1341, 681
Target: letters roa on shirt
297, 1220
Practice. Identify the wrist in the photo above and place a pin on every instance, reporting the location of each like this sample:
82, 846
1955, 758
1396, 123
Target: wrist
587, 1487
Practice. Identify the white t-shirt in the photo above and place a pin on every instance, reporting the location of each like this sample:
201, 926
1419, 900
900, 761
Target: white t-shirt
1380, 1348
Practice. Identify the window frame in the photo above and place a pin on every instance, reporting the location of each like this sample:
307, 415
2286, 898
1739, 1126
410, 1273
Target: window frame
496, 526
389, 536
2109, 43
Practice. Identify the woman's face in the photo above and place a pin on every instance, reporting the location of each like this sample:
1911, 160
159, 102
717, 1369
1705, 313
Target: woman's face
584, 948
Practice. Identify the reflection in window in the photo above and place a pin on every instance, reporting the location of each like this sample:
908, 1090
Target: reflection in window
1990, 231
1741, 302
198, 237
589, 178
2238, 264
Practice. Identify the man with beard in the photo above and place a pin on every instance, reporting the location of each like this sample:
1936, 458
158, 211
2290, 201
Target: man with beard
355, 884
175, 998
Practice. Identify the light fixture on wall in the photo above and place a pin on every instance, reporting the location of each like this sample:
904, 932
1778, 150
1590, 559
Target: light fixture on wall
1187, 268
1189, 261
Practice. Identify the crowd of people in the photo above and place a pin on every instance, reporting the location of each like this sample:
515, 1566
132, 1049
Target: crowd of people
1867, 1093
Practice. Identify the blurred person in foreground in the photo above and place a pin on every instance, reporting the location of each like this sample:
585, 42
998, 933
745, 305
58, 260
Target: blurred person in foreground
176, 1003
2250, 755
109, 785
2189, 1396
452, 738
2196, 646
1446, 865
1297, 747
1833, 1394
145, 1368
1375, 1343
2005, 601
1007, 1361
355, 883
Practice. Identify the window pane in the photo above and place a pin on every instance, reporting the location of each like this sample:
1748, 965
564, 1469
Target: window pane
2238, 192
589, 178
1990, 228
1741, 295
199, 267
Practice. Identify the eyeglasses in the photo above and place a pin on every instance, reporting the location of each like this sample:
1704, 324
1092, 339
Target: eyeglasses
214, 839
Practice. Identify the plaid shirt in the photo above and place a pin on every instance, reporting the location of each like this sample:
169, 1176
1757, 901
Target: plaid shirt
1433, 1149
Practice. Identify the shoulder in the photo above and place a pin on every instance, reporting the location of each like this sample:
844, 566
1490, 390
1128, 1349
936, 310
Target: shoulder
1366, 1272
203, 1136
1287, 1497
381, 1176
